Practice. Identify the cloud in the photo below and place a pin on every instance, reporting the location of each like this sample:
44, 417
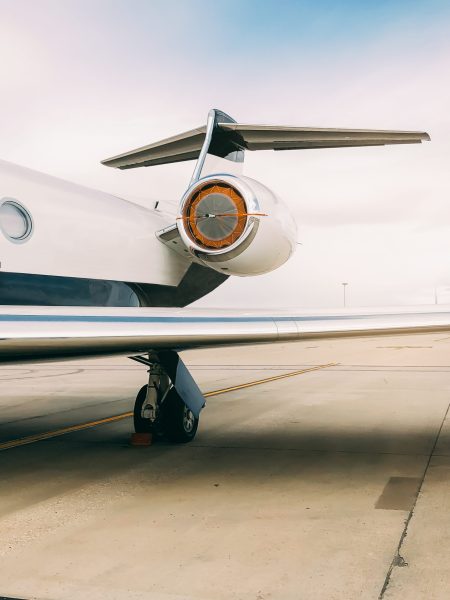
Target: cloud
86, 80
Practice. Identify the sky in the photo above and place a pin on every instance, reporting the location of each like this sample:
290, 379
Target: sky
82, 80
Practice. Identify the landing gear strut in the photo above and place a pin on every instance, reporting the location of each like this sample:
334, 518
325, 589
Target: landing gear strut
169, 405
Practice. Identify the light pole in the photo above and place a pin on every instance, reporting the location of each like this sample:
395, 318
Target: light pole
344, 285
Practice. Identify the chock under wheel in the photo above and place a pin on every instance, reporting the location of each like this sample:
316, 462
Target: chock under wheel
141, 439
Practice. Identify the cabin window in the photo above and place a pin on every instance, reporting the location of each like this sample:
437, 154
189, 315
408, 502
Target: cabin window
15, 221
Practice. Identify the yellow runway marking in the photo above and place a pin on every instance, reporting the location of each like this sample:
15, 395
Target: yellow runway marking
30, 439
57, 432
267, 380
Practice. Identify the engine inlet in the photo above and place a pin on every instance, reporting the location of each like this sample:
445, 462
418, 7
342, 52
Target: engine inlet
215, 215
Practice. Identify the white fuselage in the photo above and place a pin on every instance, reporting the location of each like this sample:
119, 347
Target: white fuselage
83, 233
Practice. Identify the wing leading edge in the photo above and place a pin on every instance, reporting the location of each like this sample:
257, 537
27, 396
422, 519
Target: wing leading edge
34, 333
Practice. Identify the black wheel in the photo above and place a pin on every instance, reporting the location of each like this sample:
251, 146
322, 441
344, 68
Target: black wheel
178, 421
141, 424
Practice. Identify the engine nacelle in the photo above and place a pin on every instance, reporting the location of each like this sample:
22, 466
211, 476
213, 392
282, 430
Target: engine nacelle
236, 225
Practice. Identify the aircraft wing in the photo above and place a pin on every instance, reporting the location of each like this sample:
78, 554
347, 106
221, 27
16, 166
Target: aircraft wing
54, 333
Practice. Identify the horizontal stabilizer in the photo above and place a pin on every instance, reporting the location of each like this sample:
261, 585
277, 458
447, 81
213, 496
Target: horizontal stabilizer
268, 137
228, 138
184, 146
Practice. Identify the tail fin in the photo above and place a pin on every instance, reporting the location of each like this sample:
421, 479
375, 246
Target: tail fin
225, 138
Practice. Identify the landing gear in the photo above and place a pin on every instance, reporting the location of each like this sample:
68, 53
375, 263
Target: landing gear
159, 408
174, 420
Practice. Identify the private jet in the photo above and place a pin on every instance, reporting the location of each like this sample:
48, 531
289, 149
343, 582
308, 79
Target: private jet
85, 273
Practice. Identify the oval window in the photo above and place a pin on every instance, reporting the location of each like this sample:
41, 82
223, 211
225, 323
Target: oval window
15, 222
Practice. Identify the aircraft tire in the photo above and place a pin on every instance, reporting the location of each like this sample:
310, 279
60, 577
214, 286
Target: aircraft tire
178, 422
141, 425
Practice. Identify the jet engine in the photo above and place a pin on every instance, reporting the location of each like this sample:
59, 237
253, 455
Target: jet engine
236, 225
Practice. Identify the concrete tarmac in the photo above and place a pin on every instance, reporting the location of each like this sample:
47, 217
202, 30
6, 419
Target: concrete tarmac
331, 484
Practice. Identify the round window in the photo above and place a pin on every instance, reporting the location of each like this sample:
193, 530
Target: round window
15, 222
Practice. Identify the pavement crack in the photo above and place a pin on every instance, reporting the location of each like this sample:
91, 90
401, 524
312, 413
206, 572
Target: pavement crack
398, 560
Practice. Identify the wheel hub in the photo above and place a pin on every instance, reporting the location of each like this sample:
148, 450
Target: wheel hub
188, 420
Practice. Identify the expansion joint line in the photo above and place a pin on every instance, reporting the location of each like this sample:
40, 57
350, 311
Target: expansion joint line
398, 560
